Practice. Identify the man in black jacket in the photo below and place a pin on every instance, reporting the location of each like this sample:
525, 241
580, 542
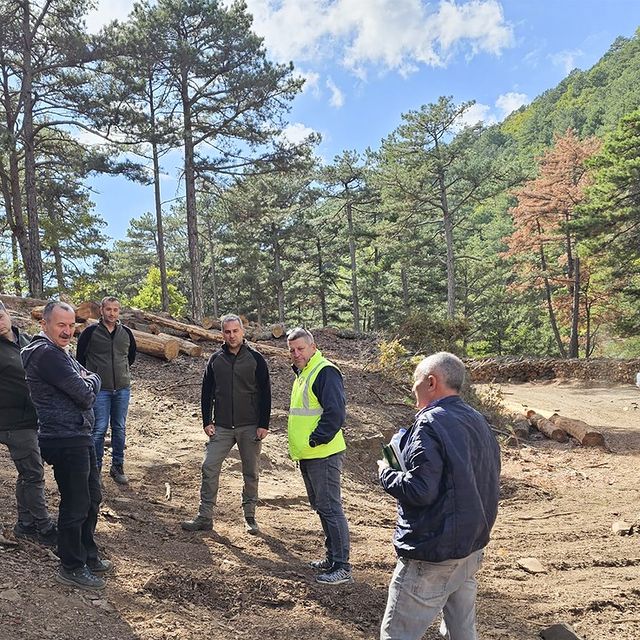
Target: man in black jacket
63, 393
18, 431
237, 389
447, 505
109, 349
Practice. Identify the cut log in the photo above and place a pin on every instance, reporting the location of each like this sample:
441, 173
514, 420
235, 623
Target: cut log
139, 325
190, 329
36, 312
580, 430
547, 427
209, 322
186, 347
86, 310
521, 428
166, 348
278, 330
15, 302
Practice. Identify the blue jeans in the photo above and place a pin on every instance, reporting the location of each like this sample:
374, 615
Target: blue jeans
322, 479
78, 480
420, 590
111, 406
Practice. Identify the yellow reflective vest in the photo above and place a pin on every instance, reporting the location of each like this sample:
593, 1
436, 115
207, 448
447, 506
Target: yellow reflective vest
304, 414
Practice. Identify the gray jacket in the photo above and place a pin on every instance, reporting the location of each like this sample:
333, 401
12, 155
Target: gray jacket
63, 393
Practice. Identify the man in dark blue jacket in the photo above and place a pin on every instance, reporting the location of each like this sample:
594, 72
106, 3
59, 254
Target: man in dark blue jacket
447, 505
63, 393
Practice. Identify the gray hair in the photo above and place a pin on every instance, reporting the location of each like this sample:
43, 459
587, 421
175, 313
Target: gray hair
231, 317
53, 304
450, 368
108, 299
300, 332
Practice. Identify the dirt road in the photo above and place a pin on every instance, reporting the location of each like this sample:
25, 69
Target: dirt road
558, 504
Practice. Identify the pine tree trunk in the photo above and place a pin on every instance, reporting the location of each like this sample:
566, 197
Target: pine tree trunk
34, 275
321, 286
277, 267
197, 301
448, 238
162, 262
15, 266
354, 277
214, 273
575, 311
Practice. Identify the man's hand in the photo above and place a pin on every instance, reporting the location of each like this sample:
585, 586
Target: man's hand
210, 430
261, 433
382, 465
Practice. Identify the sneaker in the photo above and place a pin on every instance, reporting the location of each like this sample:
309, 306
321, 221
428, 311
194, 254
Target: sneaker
321, 565
81, 578
199, 523
117, 473
28, 532
49, 537
337, 576
251, 526
100, 565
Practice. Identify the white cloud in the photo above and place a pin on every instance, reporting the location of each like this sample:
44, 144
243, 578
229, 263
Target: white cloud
566, 59
106, 11
311, 81
393, 34
296, 132
509, 102
337, 97
477, 113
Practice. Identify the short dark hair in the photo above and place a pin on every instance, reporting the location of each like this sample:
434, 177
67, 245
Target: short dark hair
231, 317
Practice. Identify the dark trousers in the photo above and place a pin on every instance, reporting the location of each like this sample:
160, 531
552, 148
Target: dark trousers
78, 479
23, 447
322, 479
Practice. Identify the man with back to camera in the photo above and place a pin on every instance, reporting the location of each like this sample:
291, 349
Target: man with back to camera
19, 432
108, 348
236, 391
447, 505
63, 393
317, 414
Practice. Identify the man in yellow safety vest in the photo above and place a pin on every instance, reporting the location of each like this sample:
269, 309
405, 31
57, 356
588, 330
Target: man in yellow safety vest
316, 416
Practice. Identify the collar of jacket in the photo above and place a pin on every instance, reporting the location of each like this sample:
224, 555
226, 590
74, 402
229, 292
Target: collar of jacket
225, 348
312, 362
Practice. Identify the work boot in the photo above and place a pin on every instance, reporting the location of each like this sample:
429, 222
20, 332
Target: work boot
117, 473
100, 565
335, 576
251, 526
49, 537
199, 523
80, 578
321, 565
27, 532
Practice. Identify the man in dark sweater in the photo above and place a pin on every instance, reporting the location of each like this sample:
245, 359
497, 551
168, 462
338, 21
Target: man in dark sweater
18, 431
108, 348
63, 393
236, 391
447, 505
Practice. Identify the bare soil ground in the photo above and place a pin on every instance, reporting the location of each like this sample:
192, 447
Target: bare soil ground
558, 504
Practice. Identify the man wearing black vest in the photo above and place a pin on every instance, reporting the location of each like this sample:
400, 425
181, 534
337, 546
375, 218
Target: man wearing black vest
236, 391
447, 504
19, 432
108, 348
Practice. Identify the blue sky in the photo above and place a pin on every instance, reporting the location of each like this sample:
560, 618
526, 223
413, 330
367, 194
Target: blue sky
368, 61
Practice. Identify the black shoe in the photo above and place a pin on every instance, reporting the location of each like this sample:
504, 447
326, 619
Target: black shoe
81, 578
117, 473
335, 576
100, 565
49, 537
29, 532
251, 526
199, 523
321, 565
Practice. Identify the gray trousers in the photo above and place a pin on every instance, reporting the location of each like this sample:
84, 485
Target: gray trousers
25, 453
218, 449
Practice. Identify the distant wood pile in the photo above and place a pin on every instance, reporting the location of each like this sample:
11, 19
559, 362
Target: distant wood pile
556, 427
524, 369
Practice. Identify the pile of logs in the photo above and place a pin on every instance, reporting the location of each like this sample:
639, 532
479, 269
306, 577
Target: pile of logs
160, 335
524, 369
557, 428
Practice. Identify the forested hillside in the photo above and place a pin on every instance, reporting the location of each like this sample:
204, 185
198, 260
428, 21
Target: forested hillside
517, 238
